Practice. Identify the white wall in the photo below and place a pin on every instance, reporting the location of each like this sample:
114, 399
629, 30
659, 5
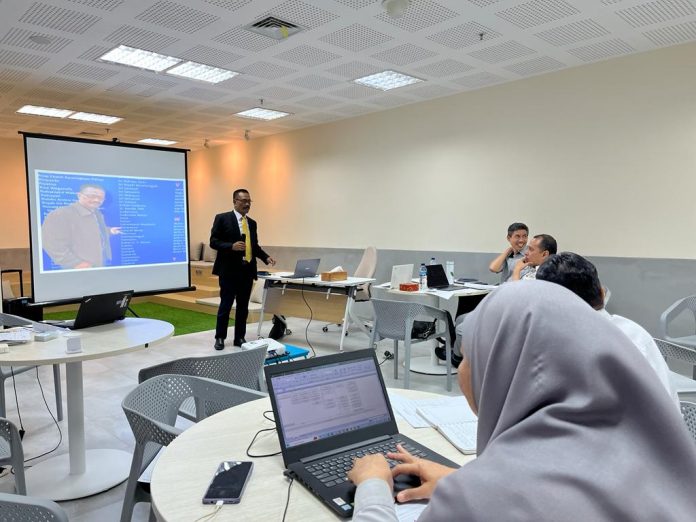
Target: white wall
602, 157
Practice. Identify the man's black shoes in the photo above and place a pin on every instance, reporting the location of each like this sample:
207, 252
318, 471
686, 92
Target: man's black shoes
219, 343
442, 355
239, 342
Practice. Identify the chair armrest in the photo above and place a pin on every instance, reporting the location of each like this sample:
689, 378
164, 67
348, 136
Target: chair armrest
669, 314
214, 396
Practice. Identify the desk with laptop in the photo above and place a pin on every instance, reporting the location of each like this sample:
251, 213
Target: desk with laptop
328, 410
302, 292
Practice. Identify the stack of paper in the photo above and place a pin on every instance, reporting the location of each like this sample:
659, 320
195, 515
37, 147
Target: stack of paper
452, 417
15, 335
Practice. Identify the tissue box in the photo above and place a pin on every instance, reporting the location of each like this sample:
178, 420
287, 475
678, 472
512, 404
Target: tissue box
334, 276
408, 287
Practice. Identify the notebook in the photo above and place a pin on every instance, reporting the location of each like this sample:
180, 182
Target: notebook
304, 269
437, 279
99, 309
401, 274
329, 410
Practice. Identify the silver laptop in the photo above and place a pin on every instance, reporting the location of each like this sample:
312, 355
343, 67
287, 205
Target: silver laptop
401, 274
304, 269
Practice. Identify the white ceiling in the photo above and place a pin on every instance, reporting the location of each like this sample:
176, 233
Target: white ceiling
308, 74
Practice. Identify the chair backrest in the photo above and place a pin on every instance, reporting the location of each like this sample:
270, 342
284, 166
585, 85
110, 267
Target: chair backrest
688, 410
686, 303
675, 351
368, 263
240, 368
393, 317
11, 452
30, 509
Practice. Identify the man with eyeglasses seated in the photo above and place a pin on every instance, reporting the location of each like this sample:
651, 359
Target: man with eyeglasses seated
76, 235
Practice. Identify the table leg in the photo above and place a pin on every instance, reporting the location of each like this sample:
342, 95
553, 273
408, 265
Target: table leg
263, 307
346, 318
78, 473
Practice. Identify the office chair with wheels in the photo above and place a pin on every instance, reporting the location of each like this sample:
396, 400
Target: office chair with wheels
669, 315
240, 368
394, 320
688, 410
6, 373
11, 452
151, 410
30, 509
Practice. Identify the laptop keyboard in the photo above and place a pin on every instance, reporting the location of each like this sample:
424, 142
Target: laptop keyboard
334, 470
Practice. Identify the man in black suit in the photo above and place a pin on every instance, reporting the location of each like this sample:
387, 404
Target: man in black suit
234, 237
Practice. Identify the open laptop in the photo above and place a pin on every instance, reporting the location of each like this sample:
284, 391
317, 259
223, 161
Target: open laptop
305, 268
99, 309
329, 410
437, 279
401, 274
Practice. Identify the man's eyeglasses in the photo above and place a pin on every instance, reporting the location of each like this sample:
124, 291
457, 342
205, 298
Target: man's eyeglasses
244, 201
91, 196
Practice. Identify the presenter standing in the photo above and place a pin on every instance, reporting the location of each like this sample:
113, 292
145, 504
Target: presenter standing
76, 236
234, 237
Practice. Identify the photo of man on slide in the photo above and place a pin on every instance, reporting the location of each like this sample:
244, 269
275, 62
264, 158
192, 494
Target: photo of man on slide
76, 235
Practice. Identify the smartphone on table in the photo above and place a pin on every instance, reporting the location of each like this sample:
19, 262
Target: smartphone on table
229, 482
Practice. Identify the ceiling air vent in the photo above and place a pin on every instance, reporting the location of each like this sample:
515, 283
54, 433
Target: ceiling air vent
274, 28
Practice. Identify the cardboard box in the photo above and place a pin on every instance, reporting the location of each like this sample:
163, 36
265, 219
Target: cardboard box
334, 276
409, 287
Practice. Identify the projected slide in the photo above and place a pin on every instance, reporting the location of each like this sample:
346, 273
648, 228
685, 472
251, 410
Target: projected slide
93, 221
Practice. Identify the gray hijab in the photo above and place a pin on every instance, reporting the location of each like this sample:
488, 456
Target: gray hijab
570, 427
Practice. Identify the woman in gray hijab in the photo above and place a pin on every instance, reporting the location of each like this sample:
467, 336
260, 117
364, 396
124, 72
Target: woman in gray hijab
569, 428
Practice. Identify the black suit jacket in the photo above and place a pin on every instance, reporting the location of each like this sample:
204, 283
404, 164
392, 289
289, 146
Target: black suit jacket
223, 235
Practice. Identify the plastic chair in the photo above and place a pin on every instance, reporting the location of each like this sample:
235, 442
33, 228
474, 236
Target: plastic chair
11, 452
151, 410
30, 509
6, 373
394, 320
241, 368
673, 350
688, 410
687, 303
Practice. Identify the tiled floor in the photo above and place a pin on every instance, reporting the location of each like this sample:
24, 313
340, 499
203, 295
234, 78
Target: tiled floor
107, 381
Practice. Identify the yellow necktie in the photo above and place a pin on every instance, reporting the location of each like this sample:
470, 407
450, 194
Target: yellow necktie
247, 239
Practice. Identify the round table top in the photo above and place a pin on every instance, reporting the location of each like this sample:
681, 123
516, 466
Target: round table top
186, 467
98, 341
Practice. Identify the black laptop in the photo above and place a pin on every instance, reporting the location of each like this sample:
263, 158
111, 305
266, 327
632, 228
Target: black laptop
330, 410
98, 309
437, 279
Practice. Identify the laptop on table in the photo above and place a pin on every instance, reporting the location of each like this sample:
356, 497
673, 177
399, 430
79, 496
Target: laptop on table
437, 279
330, 410
98, 309
304, 269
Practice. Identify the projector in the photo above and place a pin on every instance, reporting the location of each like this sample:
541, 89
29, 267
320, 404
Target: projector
273, 347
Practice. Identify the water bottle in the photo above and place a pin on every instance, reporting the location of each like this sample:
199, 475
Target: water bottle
423, 276
432, 261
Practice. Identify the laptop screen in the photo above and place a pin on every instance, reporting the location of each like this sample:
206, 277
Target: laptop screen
436, 276
329, 400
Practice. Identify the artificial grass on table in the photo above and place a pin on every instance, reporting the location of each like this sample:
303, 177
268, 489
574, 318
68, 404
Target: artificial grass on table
184, 321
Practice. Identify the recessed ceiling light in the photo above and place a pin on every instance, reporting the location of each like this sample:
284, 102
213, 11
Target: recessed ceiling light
125, 55
156, 141
199, 71
387, 80
259, 113
95, 118
45, 111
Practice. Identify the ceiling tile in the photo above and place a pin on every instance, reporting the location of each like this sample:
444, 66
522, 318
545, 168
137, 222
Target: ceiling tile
464, 35
314, 82
318, 102
177, 17
20, 38
230, 5
17, 59
538, 65
673, 34
502, 52
419, 15
355, 91
57, 18
353, 70
356, 37
444, 68
279, 93
656, 12
141, 38
105, 5
89, 72
404, 54
602, 50
267, 70
209, 56
573, 33
302, 14
307, 55
537, 12
478, 80
243, 39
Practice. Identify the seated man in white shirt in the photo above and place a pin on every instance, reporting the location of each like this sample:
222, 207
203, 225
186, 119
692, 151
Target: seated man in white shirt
539, 249
580, 276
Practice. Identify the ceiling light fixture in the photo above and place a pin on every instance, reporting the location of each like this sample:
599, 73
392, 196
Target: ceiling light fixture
395, 8
94, 118
140, 58
156, 141
387, 80
51, 112
199, 71
259, 113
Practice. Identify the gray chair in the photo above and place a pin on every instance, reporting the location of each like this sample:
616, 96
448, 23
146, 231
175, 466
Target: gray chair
240, 368
673, 350
151, 410
11, 452
6, 372
30, 509
688, 410
394, 320
669, 315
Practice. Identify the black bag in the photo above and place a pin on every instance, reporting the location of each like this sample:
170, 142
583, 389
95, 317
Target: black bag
279, 327
423, 329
